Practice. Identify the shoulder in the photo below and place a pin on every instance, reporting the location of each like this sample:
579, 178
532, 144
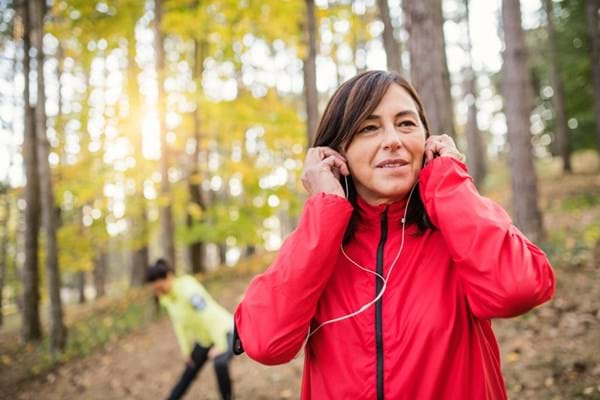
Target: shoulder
187, 281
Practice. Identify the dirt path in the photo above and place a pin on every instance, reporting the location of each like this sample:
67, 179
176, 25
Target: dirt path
550, 353
146, 364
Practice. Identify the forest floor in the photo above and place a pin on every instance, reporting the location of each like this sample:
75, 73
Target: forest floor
147, 363
552, 352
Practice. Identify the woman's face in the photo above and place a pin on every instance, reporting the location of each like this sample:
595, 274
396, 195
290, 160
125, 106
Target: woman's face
386, 154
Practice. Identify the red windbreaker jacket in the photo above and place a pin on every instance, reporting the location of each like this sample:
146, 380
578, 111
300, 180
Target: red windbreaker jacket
430, 335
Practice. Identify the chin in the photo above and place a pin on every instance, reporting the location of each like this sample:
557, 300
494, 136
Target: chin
396, 192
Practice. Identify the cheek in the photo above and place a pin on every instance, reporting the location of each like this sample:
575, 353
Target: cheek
417, 147
353, 157
359, 153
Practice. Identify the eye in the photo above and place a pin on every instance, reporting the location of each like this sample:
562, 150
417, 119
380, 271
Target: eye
407, 123
368, 128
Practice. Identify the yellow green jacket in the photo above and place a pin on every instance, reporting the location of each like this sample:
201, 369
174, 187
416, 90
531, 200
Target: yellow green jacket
196, 316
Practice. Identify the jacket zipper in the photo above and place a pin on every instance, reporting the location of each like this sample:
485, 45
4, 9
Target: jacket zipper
379, 306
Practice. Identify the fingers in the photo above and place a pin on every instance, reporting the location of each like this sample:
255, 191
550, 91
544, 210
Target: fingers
327, 156
319, 153
428, 154
432, 146
335, 162
322, 170
442, 145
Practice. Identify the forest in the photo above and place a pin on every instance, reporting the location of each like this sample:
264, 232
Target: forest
132, 130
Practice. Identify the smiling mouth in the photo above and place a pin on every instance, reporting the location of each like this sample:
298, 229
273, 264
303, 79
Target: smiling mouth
392, 164
397, 165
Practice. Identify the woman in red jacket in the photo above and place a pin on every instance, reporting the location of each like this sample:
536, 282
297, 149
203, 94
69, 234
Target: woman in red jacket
397, 265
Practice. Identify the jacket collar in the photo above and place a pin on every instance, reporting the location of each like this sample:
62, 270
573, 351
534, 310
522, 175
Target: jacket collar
372, 214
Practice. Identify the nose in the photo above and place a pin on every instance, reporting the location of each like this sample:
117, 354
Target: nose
391, 139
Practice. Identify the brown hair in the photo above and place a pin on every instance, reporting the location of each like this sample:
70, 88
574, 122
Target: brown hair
347, 109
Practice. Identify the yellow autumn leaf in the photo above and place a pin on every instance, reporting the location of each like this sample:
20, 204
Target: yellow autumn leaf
513, 357
194, 210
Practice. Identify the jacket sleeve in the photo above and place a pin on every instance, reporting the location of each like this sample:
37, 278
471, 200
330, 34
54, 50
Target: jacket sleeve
503, 274
182, 339
273, 319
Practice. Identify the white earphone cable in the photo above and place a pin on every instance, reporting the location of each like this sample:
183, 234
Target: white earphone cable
385, 280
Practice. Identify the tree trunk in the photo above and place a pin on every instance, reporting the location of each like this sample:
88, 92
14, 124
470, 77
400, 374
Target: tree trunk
391, 45
359, 44
166, 214
139, 264
222, 253
7, 207
250, 250
57, 328
428, 67
339, 78
4, 247
476, 154
517, 106
310, 73
31, 327
139, 256
592, 7
197, 250
558, 98
99, 273
81, 287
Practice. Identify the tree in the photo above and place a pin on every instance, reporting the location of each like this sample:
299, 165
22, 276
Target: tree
166, 199
136, 205
31, 326
99, 273
4, 237
592, 9
80, 281
310, 72
428, 67
558, 97
476, 159
5, 188
58, 330
197, 249
517, 107
390, 44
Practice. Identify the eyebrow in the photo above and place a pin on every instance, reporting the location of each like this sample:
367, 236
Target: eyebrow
398, 114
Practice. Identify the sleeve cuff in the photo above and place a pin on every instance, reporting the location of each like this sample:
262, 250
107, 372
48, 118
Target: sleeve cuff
443, 163
237, 342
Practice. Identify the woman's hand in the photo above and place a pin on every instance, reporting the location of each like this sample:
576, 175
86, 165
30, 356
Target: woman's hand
322, 169
441, 146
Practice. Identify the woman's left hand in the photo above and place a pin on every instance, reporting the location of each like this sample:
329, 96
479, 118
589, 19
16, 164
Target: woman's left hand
441, 146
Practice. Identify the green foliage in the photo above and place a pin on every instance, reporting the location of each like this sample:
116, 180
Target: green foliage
76, 248
575, 241
574, 59
581, 201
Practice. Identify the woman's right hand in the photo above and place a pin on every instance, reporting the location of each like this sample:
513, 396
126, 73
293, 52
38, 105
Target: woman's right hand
322, 169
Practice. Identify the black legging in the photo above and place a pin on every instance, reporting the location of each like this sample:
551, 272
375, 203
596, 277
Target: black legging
199, 357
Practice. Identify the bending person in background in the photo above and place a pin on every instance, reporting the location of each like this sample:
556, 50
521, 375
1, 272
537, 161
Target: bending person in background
397, 266
203, 328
